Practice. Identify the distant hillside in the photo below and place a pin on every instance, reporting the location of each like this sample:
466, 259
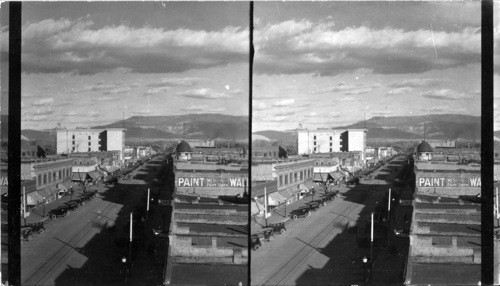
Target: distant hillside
440, 126
194, 126
39, 135
437, 126
280, 136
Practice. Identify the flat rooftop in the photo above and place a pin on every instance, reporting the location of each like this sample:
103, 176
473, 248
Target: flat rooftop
240, 208
448, 229
229, 229
445, 274
196, 166
208, 274
222, 241
439, 166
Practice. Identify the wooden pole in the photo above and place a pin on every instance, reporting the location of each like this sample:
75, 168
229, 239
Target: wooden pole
265, 204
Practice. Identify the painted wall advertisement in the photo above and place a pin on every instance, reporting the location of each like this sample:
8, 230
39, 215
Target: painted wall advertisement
211, 182
449, 182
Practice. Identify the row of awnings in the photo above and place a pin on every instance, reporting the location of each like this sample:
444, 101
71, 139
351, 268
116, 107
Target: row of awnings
280, 197
92, 176
37, 197
324, 177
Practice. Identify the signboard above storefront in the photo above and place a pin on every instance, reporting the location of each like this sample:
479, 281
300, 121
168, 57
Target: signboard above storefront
449, 182
202, 182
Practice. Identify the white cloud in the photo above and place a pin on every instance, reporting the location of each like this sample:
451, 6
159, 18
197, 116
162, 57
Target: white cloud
400, 90
203, 108
64, 45
302, 46
445, 94
43, 102
283, 103
204, 93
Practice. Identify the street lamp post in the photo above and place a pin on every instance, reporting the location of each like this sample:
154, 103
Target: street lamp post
285, 207
365, 266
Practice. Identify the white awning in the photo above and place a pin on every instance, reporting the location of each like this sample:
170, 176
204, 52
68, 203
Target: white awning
33, 199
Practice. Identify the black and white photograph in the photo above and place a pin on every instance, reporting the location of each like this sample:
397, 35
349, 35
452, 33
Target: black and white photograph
249, 143
134, 143
366, 120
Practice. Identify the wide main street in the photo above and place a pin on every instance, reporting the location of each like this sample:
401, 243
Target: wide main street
86, 247
320, 249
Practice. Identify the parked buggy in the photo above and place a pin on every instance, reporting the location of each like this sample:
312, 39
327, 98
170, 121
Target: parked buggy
36, 227
256, 242
72, 205
27, 234
314, 206
303, 212
62, 211
278, 227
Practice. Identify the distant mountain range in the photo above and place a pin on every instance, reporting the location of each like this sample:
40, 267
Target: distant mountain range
438, 126
190, 126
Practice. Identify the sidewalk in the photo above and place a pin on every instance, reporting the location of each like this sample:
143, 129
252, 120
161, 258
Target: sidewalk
36, 214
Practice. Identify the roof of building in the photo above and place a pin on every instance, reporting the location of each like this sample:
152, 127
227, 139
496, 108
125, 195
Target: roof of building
439, 166
183, 146
424, 147
193, 166
445, 274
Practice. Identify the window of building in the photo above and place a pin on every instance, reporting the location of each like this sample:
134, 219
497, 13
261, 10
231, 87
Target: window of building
286, 179
60, 175
314, 137
331, 144
314, 149
330, 138
90, 149
281, 180
23, 154
39, 182
90, 138
73, 148
54, 176
308, 173
44, 179
73, 136
295, 176
90, 143
314, 143
301, 176
331, 150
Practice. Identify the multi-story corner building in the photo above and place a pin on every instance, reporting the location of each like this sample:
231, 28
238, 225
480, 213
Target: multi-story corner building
90, 140
331, 140
445, 231
207, 232
293, 179
51, 176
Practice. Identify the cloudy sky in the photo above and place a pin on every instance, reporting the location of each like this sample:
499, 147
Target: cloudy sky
326, 64
86, 64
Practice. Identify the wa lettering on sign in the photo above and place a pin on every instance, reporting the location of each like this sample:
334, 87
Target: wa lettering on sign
236, 182
475, 182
